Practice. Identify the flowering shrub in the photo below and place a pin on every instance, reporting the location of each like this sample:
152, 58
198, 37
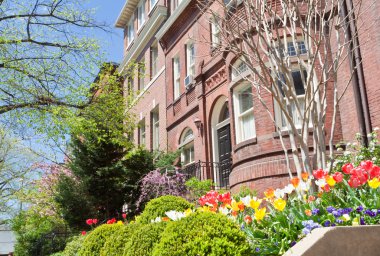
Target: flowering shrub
157, 208
95, 240
156, 184
202, 233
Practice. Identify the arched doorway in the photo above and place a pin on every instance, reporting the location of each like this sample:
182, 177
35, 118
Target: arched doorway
221, 141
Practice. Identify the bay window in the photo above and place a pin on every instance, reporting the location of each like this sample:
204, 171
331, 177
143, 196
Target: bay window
243, 108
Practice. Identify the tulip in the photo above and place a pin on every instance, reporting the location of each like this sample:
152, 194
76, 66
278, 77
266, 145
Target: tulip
255, 203
304, 176
83, 233
319, 174
295, 181
248, 219
269, 193
308, 212
89, 222
374, 183
260, 214
237, 206
347, 168
95, 221
124, 215
330, 180
279, 204
338, 177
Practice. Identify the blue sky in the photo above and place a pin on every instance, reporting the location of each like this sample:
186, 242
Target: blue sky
108, 11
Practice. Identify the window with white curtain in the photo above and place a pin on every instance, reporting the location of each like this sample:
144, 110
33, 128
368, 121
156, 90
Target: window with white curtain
140, 14
243, 108
176, 77
299, 89
141, 74
190, 59
153, 60
187, 147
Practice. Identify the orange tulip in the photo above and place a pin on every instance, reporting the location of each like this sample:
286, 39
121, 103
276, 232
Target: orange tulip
305, 176
295, 182
269, 193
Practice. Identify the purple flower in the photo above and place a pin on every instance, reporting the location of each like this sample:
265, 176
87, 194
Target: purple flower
337, 213
257, 249
362, 222
327, 223
371, 213
347, 210
242, 226
339, 221
330, 209
315, 211
333, 225
309, 225
359, 209
293, 243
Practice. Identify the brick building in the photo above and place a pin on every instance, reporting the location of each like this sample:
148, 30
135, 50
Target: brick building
210, 114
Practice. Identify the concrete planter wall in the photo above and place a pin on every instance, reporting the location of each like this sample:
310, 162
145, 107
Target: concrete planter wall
347, 241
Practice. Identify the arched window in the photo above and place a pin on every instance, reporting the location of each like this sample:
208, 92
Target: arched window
224, 113
187, 147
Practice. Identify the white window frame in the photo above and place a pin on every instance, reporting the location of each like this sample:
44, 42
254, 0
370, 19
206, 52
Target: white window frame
187, 147
155, 129
140, 75
140, 14
215, 32
176, 77
280, 119
175, 4
153, 60
238, 69
142, 132
239, 116
131, 30
152, 4
190, 59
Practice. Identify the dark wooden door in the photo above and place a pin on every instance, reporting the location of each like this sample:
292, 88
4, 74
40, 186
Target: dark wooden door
224, 146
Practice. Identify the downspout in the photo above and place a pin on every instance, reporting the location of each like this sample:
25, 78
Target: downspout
356, 67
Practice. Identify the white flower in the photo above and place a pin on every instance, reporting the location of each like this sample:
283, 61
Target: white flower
304, 186
174, 215
279, 193
288, 189
346, 217
224, 210
158, 219
376, 129
320, 183
374, 158
347, 153
246, 200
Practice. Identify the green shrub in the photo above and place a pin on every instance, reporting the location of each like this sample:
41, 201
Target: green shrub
95, 240
198, 188
158, 206
72, 248
202, 233
143, 239
116, 243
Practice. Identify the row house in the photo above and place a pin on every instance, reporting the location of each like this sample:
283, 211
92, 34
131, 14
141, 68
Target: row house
208, 112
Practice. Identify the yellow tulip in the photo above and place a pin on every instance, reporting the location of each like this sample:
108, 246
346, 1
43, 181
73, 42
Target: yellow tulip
374, 183
119, 222
279, 204
237, 206
188, 212
330, 180
255, 203
260, 214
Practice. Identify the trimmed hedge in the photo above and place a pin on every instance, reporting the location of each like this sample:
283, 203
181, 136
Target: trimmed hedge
72, 248
116, 243
143, 239
158, 206
201, 234
95, 240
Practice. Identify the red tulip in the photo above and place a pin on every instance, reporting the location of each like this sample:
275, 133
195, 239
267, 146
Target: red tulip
83, 233
89, 222
319, 174
367, 165
94, 221
354, 182
124, 215
347, 168
248, 219
338, 177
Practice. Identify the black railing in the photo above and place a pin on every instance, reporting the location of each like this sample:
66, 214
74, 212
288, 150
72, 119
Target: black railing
218, 172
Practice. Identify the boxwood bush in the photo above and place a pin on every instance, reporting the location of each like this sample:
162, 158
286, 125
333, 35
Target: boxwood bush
158, 206
116, 243
72, 247
200, 234
143, 239
95, 240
